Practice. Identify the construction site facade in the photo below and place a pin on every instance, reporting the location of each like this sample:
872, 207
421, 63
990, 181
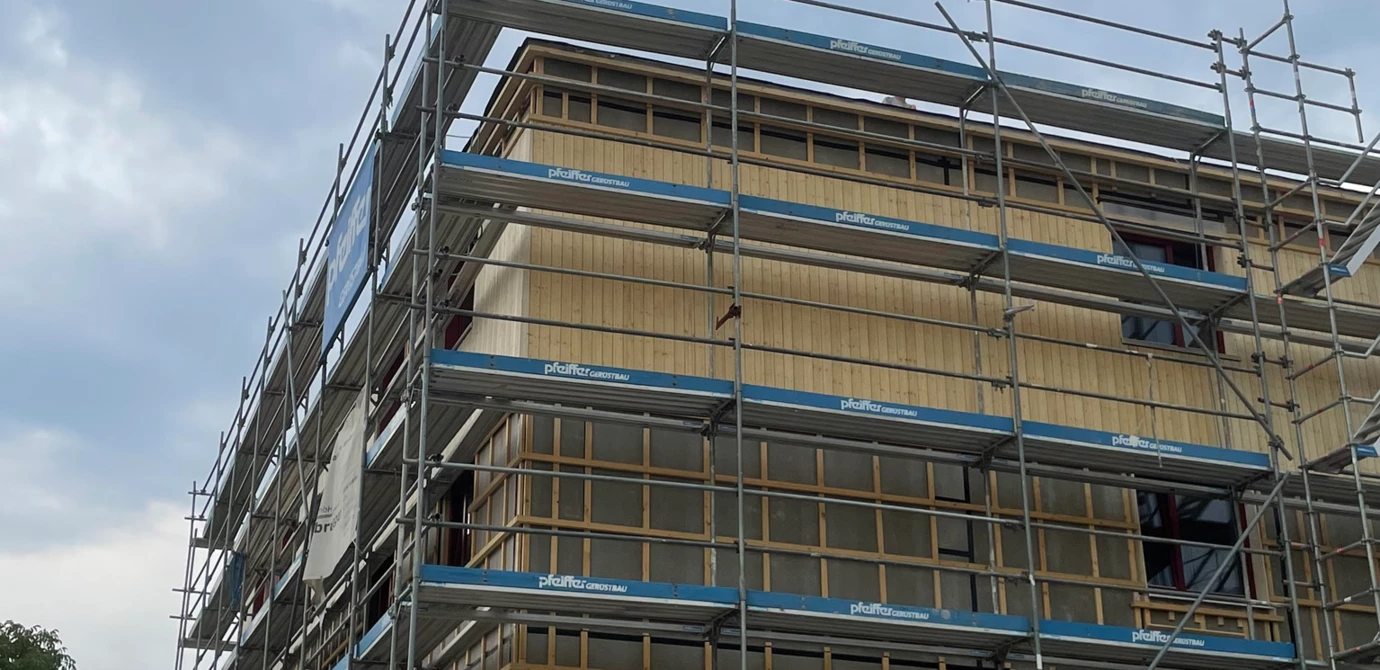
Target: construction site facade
676, 366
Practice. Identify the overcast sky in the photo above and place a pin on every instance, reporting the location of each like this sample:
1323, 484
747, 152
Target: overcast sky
160, 160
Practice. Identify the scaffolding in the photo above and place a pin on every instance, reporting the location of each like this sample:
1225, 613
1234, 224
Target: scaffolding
433, 217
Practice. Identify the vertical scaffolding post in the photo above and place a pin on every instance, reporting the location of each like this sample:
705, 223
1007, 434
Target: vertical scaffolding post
1287, 362
428, 159
1013, 348
710, 303
735, 191
184, 614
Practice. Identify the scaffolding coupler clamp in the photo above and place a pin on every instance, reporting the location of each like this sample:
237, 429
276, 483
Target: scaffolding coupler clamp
716, 626
716, 417
985, 460
1276, 442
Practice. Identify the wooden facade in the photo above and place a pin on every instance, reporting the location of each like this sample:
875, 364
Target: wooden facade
1076, 366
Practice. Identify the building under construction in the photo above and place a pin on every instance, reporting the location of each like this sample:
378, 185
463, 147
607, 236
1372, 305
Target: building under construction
668, 365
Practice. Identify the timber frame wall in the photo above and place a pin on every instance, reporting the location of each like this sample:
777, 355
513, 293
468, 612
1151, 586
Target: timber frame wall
568, 236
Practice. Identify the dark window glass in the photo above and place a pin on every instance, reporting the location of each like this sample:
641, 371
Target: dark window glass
892, 163
985, 145
1189, 568
1159, 556
938, 169
723, 131
829, 117
781, 108
579, 108
784, 143
551, 103
621, 114
1073, 199
566, 69
1132, 172
948, 138
623, 80
1032, 153
984, 180
676, 89
1036, 187
1076, 162
676, 123
1306, 231
1164, 252
746, 103
836, 152
1164, 177
886, 127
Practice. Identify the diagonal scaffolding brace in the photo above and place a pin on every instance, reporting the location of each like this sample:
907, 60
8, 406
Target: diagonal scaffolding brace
996, 80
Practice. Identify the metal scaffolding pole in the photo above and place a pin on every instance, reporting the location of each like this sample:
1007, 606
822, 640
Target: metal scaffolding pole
1009, 314
1335, 649
1259, 356
428, 303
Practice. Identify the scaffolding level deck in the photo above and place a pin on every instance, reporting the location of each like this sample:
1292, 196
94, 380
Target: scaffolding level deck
523, 184
621, 23
789, 411
462, 589
849, 63
468, 40
857, 65
507, 378
1091, 643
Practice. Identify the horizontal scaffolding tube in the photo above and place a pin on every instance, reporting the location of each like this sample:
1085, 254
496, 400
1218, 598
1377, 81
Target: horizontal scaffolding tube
1110, 24
985, 200
754, 546
976, 516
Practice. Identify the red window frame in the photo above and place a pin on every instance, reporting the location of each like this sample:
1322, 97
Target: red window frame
1168, 504
1209, 263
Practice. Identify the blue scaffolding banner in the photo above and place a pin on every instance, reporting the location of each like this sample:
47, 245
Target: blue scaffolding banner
236, 579
1211, 644
347, 252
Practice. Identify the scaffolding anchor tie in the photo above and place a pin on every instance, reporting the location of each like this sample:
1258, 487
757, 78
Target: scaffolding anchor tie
733, 312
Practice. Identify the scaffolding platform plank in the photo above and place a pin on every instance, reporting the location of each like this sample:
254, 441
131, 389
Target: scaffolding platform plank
1312, 314
522, 184
1136, 647
862, 419
535, 592
508, 378
471, 176
800, 412
1334, 483
852, 64
621, 23
856, 65
849, 63
965, 432
374, 646
459, 591
1138, 455
837, 617
891, 239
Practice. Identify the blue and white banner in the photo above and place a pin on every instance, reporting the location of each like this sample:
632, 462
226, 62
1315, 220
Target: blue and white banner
1211, 644
579, 372
347, 252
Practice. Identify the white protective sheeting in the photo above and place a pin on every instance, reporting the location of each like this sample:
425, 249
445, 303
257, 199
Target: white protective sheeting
337, 518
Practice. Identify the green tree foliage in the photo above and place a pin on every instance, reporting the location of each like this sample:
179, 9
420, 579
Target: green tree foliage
32, 649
